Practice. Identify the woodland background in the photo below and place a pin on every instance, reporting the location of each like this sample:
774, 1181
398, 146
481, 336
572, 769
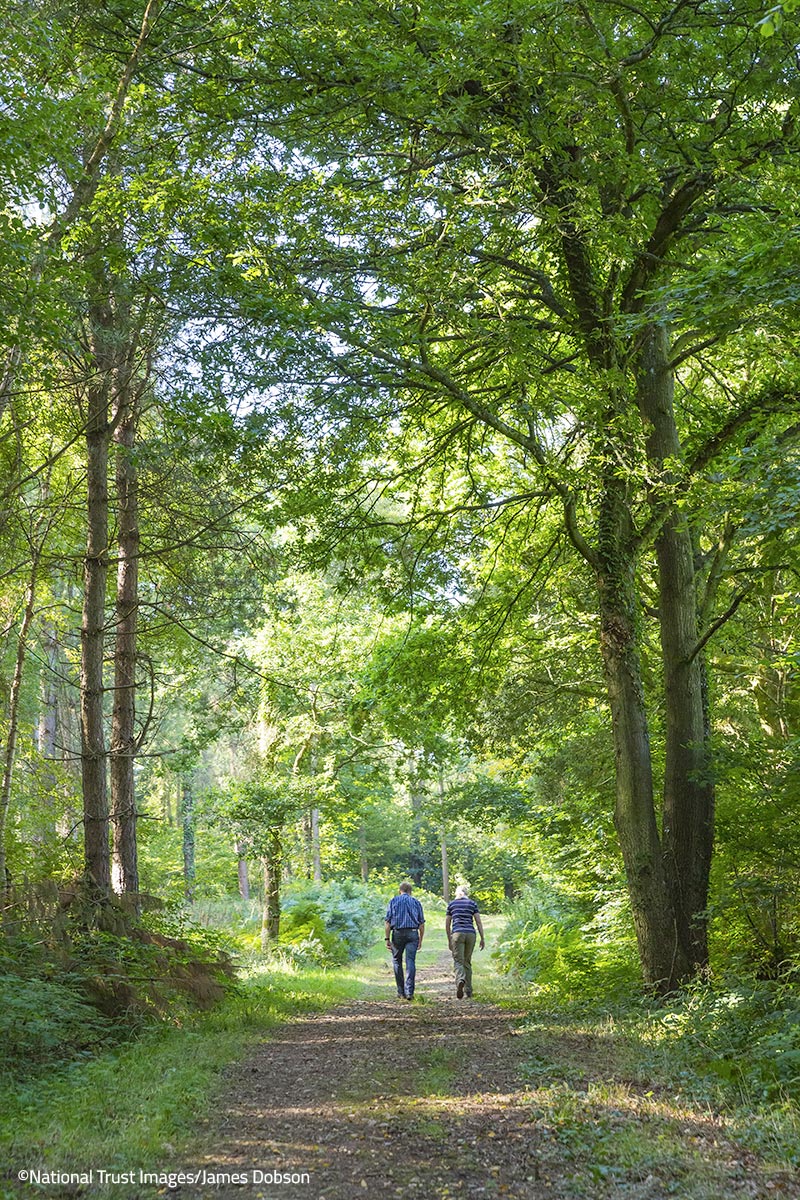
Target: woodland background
400, 478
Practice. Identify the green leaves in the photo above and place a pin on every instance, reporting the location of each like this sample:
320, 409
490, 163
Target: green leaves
772, 21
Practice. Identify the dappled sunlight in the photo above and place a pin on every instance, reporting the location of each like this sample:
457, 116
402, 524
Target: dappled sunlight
455, 1098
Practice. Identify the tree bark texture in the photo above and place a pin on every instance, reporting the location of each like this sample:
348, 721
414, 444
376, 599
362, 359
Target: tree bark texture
47, 725
95, 572
416, 862
445, 868
244, 880
13, 717
688, 803
123, 716
443, 843
362, 852
316, 860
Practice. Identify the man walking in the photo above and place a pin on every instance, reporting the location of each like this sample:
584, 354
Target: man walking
405, 929
460, 931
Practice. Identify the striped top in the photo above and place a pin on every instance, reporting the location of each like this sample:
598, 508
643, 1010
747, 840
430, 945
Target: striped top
461, 912
404, 912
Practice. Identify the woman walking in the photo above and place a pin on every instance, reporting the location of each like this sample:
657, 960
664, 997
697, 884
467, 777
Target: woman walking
462, 917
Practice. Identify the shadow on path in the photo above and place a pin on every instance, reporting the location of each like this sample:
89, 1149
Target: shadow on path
381, 1098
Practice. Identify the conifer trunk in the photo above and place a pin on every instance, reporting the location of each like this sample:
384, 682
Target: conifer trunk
93, 620
187, 837
123, 717
241, 868
13, 717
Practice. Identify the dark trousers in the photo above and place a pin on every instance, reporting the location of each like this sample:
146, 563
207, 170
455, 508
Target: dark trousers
405, 941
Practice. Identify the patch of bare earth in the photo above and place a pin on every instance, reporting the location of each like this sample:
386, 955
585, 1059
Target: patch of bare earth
385, 1099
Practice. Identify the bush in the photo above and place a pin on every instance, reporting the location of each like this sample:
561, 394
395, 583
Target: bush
747, 1034
550, 943
76, 974
42, 1020
348, 911
303, 930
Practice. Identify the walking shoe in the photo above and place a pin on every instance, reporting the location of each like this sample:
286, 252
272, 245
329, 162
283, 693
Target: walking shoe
460, 989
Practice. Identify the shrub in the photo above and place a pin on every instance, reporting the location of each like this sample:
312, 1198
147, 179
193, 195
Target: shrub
42, 1020
746, 1033
304, 931
348, 910
550, 942
75, 974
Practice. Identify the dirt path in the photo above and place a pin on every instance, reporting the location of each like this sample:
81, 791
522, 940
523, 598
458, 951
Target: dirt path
440, 1099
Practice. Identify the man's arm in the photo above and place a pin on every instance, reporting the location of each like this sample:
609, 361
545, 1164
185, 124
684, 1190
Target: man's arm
421, 934
448, 926
479, 923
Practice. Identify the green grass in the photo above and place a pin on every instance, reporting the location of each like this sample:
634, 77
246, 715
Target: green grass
137, 1105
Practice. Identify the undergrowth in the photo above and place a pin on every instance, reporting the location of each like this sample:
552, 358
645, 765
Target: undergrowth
730, 1044
84, 976
63, 1120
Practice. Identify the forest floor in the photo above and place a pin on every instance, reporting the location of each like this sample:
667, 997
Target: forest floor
446, 1099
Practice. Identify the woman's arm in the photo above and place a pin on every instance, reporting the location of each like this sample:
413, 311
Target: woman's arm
479, 923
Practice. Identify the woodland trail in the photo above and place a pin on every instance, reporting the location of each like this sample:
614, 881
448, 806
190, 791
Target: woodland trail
441, 1099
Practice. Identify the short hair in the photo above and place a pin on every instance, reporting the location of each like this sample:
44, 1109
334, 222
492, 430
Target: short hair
405, 887
462, 891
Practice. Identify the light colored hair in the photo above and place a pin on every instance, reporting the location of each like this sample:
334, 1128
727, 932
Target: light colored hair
462, 891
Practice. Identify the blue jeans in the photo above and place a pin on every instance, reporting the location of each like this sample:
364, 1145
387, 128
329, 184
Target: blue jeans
405, 940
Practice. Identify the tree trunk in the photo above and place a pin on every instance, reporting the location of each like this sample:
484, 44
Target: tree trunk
13, 716
244, 880
187, 828
416, 862
663, 961
688, 813
47, 725
271, 918
443, 840
316, 860
362, 851
93, 748
123, 717
445, 868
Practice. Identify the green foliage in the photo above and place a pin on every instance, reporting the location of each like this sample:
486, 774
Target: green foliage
340, 917
307, 939
171, 1076
745, 1033
549, 942
80, 978
43, 1021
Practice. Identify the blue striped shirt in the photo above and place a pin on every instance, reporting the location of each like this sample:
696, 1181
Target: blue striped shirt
461, 912
404, 912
